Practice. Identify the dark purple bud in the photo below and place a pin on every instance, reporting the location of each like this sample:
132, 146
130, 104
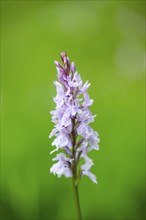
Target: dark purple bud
68, 151
67, 65
66, 62
79, 143
58, 64
63, 56
73, 67
61, 71
78, 156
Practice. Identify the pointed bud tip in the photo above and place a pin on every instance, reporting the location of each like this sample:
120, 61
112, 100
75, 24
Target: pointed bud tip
56, 63
73, 67
63, 56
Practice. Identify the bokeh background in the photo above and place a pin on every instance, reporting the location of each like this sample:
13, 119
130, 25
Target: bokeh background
106, 40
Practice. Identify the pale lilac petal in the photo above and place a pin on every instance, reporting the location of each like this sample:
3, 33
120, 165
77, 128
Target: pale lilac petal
73, 67
84, 88
66, 121
62, 166
91, 176
76, 81
86, 169
87, 101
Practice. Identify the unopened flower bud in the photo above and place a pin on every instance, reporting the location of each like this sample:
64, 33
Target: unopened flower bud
73, 67
63, 56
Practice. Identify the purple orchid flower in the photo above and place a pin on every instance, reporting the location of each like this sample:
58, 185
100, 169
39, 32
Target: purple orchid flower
72, 118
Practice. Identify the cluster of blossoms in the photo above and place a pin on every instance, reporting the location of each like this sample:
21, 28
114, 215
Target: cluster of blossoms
72, 118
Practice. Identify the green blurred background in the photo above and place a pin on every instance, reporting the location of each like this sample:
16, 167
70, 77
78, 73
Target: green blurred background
106, 41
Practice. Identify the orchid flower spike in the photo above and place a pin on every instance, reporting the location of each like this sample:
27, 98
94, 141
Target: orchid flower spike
73, 135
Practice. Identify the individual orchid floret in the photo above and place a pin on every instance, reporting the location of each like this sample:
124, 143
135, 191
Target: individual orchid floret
62, 167
86, 169
73, 135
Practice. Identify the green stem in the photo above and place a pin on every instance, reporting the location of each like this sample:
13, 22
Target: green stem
74, 171
77, 202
